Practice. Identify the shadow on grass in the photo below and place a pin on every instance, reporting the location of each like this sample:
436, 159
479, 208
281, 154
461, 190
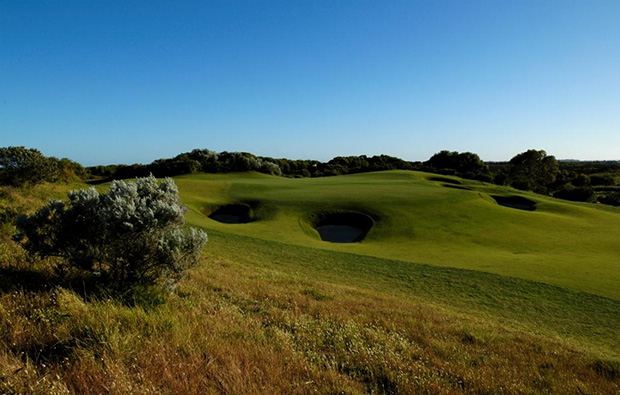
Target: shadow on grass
517, 202
33, 295
29, 280
457, 187
99, 181
91, 288
88, 287
444, 179
607, 369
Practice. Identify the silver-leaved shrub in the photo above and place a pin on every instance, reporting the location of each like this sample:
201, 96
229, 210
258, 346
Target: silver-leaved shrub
129, 236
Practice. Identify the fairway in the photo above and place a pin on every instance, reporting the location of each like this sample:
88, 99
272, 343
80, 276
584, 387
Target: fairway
420, 218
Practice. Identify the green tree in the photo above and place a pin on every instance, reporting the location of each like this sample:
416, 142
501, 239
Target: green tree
602, 179
463, 164
581, 180
611, 198
533, 170
575, 193
21, 165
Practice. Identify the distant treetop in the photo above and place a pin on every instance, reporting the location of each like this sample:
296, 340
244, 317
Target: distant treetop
20, 166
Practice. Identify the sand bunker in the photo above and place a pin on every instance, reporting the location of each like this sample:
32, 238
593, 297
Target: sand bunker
232, 214
343, 227
518, 202
444, 179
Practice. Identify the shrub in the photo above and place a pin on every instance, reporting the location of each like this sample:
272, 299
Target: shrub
576, 194
20, 165
613, 199
581, 180
602, 179
132, 235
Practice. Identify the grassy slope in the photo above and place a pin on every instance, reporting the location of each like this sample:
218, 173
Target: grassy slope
561, 243
267, 314
568, 250
242, 327
580, 318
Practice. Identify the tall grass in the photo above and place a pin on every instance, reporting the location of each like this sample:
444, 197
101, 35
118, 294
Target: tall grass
237, 329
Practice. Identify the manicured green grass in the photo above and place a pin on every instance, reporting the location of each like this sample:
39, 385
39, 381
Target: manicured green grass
562, 243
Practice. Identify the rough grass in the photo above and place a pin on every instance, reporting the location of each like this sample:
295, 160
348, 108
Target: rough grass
587, 320
236, 328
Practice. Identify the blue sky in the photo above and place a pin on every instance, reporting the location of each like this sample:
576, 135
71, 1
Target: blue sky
124, 81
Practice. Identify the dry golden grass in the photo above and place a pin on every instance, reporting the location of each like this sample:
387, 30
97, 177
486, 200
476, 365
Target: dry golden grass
239, 329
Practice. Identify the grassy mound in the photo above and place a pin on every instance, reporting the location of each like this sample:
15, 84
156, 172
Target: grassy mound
445, 180
572, 245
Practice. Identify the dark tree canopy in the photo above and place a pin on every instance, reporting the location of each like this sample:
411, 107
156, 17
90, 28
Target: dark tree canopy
204, 160
463, 164
198, 160
21, 165
533, 170
577, 194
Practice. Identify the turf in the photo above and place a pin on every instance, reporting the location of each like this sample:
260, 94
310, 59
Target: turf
418, 220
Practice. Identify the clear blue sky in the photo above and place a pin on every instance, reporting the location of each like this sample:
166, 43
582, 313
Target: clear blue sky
123, 81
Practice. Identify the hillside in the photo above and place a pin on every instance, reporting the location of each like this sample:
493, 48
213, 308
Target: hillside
449, 292
418, 220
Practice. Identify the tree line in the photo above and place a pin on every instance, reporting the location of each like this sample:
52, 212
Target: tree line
207, 161
20, 166
532, 170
